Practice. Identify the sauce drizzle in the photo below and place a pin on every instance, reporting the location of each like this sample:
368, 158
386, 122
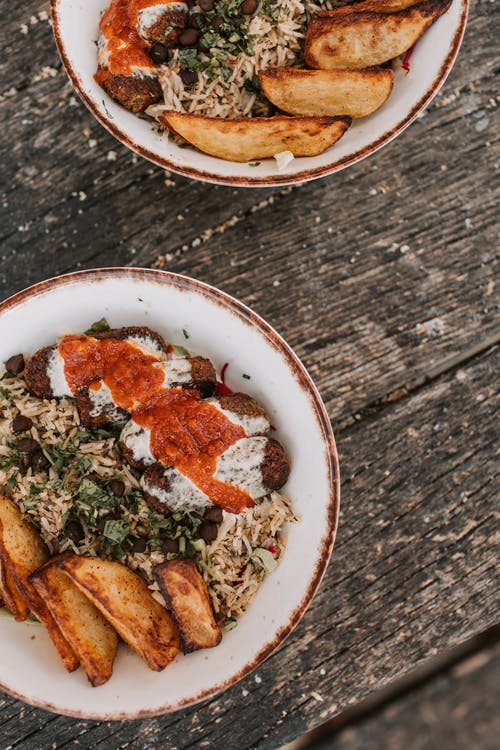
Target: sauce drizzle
185, 432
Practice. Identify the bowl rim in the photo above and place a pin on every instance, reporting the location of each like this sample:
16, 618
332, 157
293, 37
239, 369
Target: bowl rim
248, 316
271, 180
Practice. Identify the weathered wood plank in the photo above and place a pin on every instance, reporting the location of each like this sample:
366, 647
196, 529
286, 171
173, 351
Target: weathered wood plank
385, 271
457, 710
413, 573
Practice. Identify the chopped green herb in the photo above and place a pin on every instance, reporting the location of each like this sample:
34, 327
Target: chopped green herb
186, 334
253, 85
264, 559
229, 624
99, 326
198, 545
247, 377
91, 494
180, 351
83, 464
4, 392
271, 9
116, 531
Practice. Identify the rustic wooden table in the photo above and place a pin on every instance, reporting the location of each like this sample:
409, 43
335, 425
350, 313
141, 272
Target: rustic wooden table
383, 280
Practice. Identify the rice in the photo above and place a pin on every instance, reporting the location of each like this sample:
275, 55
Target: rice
277, 34
48, 496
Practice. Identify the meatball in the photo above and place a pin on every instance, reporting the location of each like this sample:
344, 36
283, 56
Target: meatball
160, 21
257, 465
36, 372
147, 339
134, 92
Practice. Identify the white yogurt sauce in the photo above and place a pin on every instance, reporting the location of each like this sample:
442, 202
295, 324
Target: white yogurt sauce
240, 465
253, 425
148, 345
137, 439
177, 371
55, 373
102, 402
182, 494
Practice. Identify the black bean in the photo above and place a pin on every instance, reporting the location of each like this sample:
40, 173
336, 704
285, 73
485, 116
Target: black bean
188, 77
93, 477
206, 5
217, 21
158, 53
208, 531
170, 545
189, 37
139, 545
38, 459
27, 445
248, 7
117, 487
213, 513
74, 531
194, 21
15, 364
21, 423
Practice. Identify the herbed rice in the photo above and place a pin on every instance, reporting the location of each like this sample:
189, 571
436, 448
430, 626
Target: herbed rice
277, 41
229, 565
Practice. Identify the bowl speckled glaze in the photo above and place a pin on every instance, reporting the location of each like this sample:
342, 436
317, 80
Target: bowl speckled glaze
76, 29
223, 329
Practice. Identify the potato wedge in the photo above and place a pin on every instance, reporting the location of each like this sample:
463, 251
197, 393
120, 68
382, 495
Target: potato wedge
357, 93
362, 40
11, 596
125, 600
188, 599
22, 551
247, 139
91, 636
374, 6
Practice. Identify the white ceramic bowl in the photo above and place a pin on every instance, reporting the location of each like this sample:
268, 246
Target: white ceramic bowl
76, 27
226, 331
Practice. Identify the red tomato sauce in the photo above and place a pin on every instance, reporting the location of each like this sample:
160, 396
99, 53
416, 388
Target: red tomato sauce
185, 432
125, 48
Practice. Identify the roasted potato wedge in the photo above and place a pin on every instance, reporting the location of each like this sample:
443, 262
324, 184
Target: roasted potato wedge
188, 599
247, 139
362, 40
374, 6
125, 600
22, 551
91, 636
11, 596
356, 93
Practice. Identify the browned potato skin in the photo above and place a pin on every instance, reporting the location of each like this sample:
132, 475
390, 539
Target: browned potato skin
246, 139
22, 551
375, 6
11, 596
188, 599
90, 635
356, 93
138, 618
330, 40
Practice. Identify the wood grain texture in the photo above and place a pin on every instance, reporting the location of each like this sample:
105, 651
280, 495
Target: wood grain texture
383, 278
413, 572
457, 711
